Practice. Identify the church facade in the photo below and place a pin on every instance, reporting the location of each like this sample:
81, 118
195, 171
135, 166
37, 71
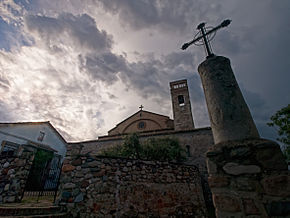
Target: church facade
195, 141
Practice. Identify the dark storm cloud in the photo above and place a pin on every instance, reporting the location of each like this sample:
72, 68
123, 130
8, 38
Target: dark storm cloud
257, 42
145, 77
81, 29
258, 46
261, 113
103, 66
167, 14
6, 31
149, 78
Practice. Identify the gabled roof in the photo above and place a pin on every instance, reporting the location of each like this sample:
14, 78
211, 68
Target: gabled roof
137, 113
36, 123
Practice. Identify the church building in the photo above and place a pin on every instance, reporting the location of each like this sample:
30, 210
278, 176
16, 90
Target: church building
195, 141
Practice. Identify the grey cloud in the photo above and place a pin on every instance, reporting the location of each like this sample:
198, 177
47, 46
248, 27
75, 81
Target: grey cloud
81, 29
146, 77
4, 81
149, 78
45, 26
104, 66
257, 42
178, 58
100, 121
5, 112
167, 14
111, 96
260, 111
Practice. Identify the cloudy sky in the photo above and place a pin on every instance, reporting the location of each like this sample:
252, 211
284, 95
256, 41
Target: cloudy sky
85, 65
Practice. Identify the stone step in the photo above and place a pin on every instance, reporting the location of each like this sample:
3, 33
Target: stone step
29, 211
56, 215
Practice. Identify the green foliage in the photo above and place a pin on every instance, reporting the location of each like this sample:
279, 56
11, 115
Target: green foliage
132, 147
116, 151
40, 161
287, 153
162, 149
41, 157
281, 120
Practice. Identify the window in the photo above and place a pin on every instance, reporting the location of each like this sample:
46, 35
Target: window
179, 86
141, 125
41, 136
181, 100
9, 148
188, 150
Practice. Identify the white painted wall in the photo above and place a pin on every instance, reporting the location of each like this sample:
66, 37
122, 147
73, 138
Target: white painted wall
22, 133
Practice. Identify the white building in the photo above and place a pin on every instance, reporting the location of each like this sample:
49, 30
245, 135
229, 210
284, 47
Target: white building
37, 134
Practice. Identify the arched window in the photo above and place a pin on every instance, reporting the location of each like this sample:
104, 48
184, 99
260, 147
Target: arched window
181, 100
141, 125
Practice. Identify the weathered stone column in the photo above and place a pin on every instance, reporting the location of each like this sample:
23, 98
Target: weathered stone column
248, 176
229, 114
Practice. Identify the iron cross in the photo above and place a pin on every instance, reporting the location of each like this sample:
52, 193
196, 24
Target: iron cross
141, 107
205, 37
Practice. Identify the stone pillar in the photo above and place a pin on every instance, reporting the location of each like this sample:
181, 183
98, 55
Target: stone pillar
248, 176
229, 114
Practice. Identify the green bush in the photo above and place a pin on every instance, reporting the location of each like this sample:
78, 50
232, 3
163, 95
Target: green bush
281, 121
162, 149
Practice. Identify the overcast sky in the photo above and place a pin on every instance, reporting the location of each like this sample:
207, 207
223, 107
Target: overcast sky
85, 65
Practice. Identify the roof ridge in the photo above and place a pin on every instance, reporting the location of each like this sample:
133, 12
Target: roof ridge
135, 114
35, 123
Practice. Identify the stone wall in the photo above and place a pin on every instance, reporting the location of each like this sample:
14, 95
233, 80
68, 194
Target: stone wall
198, 140
94, 186
249, 178
14, 172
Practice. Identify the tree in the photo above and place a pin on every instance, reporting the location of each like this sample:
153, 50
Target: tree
281, 121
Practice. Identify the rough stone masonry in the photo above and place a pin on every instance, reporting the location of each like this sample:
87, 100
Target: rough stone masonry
248, 175
13, 175
94, 186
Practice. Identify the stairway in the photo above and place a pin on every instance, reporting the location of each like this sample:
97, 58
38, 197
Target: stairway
25, 212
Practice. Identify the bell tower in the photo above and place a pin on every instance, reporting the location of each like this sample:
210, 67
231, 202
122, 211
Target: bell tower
182, 114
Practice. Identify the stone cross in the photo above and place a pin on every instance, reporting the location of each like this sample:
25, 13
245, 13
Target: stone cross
205, 37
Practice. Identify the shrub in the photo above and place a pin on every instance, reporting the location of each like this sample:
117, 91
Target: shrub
161, 149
